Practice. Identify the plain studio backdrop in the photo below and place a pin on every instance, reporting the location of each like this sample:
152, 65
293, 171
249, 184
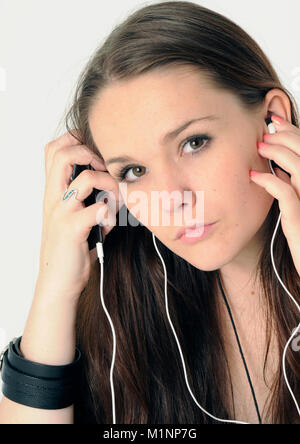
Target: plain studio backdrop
43, 47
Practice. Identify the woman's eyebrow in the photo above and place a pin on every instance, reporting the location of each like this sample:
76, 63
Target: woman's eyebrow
166, 138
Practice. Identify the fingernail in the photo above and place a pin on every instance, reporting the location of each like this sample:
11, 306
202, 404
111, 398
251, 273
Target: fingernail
262, 145
254, 174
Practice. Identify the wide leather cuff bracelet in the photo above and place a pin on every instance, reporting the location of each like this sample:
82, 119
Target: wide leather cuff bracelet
37, 385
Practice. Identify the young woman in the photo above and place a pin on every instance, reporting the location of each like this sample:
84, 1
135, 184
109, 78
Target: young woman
173, 65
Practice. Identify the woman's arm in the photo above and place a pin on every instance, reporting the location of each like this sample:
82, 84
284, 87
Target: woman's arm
65, 263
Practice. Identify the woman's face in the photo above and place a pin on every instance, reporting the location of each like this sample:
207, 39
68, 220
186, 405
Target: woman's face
132, 117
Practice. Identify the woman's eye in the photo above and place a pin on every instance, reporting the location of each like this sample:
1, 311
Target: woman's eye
121, 175
197, 139
140, 171
136, 169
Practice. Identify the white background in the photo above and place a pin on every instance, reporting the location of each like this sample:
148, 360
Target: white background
43, 47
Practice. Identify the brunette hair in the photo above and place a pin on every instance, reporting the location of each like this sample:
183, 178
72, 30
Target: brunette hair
149, 382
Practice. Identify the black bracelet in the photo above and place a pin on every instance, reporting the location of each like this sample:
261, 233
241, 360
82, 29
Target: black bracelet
37, 385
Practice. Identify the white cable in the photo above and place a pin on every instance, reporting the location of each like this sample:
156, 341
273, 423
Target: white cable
100, 254
179, 347
297, 305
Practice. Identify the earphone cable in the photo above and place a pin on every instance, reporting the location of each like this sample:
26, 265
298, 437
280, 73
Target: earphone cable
240, 348
232, 421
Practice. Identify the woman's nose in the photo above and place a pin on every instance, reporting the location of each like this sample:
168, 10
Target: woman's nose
181, 200
175, 193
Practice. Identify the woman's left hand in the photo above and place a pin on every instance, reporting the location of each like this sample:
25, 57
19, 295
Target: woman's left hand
284, 149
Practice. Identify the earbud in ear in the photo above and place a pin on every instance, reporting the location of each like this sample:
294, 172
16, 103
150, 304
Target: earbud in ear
270, 126
272, 130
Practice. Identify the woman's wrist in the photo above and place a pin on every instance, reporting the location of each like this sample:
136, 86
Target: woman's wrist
49, 336
37, 385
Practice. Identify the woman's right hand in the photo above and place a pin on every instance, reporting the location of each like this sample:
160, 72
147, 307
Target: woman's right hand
65, 259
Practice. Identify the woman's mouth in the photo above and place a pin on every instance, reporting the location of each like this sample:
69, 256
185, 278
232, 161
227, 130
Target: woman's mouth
195, 233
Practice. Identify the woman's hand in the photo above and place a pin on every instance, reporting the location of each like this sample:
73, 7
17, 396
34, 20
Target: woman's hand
284, 149
65, 259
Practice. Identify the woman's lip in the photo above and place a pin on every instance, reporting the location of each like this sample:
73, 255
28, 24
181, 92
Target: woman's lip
183, 230
192, 237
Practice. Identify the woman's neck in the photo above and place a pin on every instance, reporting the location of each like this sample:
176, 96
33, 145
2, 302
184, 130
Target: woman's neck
247, 308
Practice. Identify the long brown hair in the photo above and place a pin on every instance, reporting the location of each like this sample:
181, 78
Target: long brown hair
149, 380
